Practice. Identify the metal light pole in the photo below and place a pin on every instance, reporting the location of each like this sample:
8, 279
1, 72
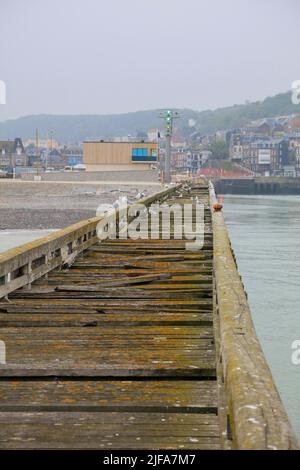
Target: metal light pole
167, 168
168, 115
37, 152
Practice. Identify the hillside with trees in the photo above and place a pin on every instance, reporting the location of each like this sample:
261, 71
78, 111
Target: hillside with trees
75, 128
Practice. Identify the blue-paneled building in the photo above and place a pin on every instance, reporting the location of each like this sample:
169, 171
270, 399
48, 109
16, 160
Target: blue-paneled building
101, 155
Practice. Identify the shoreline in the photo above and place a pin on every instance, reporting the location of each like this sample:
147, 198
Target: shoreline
55, 205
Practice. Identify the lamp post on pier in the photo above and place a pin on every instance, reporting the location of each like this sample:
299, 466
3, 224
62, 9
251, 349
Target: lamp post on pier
168, 115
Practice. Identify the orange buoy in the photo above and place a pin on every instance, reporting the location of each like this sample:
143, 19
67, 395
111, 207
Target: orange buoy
217, 206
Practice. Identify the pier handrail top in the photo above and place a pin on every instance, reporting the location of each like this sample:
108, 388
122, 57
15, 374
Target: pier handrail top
46, 239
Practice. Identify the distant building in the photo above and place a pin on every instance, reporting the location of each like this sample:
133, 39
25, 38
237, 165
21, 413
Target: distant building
264, 129
289, 171
43, 143
194, 161
269, 127
294, 148
52, 158
189, 160
236, 147
205, 155
100, 155
268, 156
75, 159
72, 155
178, 141
12, 153
262, 154
179, 158
294, 124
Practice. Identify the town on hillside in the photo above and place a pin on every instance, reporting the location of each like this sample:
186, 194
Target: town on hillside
267, 147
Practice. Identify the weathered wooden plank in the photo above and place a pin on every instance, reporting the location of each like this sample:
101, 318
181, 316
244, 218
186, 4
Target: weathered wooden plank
121, 282
60, 319
98, 351
131, 419
114, 293
128, 306
193, 395
108, 430
82, 278
165, 287
35, 306
156, 365
165, 333
96, 277
94, 268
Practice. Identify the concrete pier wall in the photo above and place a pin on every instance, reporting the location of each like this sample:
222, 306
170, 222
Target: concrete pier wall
260, 185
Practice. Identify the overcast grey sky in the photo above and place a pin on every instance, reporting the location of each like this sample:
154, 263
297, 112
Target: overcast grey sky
111, 56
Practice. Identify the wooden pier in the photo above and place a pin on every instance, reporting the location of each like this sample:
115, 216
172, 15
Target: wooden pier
133, 344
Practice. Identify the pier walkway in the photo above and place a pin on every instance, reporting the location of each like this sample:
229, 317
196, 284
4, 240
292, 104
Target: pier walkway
133, 344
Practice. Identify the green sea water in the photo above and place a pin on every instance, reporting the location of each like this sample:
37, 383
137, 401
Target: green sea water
265, 235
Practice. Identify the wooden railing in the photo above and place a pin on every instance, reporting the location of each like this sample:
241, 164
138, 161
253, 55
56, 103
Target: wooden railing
22, 265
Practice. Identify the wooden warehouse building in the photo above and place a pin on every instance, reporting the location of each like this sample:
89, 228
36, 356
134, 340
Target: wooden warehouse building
100, 155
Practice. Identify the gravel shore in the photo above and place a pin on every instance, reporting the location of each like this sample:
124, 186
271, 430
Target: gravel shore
29, 205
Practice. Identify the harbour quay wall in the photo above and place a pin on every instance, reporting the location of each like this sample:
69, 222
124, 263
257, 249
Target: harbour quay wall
258, 185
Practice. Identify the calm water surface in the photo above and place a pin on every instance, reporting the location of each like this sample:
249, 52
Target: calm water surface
265, 234
12, 238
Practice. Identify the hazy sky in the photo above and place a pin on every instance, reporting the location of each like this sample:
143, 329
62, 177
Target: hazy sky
111, 56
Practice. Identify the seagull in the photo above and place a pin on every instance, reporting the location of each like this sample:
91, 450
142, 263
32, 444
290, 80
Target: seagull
140, 195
